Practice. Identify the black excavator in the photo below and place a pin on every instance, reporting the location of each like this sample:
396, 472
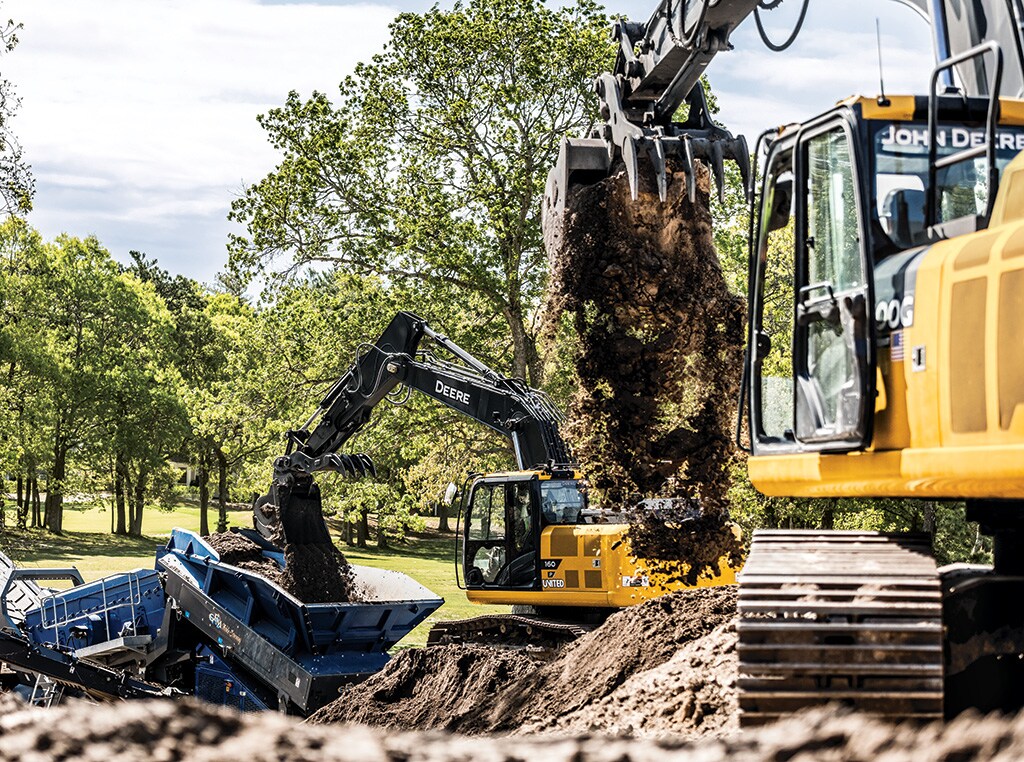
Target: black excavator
897, 371
526, 538
292, 511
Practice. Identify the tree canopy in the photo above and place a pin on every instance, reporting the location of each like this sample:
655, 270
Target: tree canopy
429, 166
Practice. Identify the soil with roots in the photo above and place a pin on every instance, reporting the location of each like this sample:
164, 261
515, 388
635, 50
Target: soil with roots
657, 340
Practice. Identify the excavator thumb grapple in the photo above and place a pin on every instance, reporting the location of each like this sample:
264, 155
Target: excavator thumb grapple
657, 71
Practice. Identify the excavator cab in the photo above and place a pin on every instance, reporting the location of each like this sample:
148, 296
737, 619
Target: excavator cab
848, 203
504, 516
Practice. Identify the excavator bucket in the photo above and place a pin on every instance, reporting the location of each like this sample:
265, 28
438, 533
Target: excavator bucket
292, 515
657, 70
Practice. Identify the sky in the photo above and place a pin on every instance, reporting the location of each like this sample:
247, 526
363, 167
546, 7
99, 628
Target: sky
138, 117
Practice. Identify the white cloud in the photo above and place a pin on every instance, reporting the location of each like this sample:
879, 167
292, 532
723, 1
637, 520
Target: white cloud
145, 110
835, 56
139, 116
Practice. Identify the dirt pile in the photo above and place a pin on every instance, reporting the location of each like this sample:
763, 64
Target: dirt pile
444, 688
692, 694
659, 357
478, 690
178, 730
312, 573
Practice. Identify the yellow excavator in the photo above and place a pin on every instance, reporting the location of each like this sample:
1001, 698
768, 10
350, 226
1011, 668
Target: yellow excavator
526, 538
891, 229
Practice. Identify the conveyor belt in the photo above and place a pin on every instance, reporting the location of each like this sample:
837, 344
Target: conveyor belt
97, 681
847, 617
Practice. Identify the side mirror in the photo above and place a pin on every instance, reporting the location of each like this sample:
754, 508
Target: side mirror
764, 346
782, 205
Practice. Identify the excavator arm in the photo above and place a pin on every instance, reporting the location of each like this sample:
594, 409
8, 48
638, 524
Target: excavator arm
658, 67
410, 354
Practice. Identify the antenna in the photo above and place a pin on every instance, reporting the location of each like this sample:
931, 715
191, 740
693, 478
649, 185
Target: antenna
882, 100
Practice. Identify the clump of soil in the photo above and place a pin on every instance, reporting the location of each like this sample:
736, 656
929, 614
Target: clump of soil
479, 690
313, 573
178, 730
659, 358
317, 574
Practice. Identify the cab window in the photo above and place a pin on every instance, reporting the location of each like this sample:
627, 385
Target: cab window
561, 501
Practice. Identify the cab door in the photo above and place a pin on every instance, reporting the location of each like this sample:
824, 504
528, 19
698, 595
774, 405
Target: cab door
833, 350
502, 536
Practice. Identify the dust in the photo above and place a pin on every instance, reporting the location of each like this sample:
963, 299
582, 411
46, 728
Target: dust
473, 689
658, 361
313, 573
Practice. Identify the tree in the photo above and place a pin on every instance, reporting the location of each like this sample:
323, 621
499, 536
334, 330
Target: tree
16, 184
430, 169
81, 340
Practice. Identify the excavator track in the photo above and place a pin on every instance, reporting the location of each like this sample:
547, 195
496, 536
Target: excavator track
853, 618
506, 631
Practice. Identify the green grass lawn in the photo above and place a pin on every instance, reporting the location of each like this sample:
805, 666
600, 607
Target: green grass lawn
427, 557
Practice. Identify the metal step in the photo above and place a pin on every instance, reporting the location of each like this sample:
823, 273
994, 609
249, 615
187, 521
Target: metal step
848, 617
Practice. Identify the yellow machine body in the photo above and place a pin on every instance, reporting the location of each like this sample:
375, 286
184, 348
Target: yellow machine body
949, 407
592, 566
579, 565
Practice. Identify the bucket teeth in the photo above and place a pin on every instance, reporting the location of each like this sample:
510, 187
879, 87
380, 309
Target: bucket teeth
586, 160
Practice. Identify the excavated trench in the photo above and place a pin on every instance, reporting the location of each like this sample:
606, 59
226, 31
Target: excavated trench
658, 361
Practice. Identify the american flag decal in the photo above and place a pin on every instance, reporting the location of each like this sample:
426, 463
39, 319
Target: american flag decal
896, 346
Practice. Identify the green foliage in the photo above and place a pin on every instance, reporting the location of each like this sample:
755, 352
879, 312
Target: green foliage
86, 354
16, 184
429, 168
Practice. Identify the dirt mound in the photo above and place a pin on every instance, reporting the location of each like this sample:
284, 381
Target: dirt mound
238, 550
312, 573
659, 358
692, 694
445, 687
177, 730
318, 574
479, 690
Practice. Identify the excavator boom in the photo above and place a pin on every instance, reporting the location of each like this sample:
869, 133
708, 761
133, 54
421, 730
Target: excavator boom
408, 353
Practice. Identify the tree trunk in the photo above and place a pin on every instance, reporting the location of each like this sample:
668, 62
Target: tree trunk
928, 509
222, 490
382, 538
37, 503
442, 516
526, 362
139, 503
828, 517
119, 479
54, 516
24, 501
204, 491
346, 532
364, 527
